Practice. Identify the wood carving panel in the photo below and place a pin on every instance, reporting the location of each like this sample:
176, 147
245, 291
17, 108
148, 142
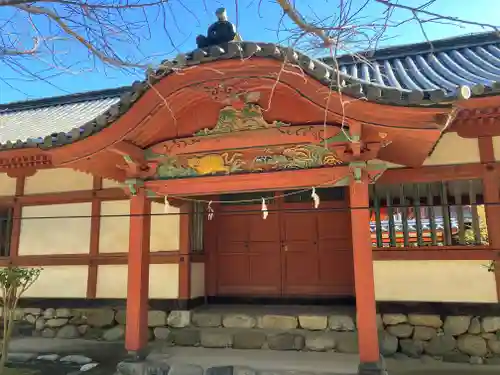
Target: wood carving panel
249, 160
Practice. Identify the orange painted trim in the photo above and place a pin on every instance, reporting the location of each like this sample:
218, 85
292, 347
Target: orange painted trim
16, 218
66, 197
491, 189
95, 227
486, 150
366, 310
184, 250
288, 135
471, 253
136, 331
167, 257
295, 179
431, 174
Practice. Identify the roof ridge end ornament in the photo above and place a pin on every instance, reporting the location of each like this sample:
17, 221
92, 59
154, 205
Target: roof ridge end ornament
464, 92
220, 32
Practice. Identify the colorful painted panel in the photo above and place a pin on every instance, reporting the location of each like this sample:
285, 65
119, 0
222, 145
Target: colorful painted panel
252, 160
231, 119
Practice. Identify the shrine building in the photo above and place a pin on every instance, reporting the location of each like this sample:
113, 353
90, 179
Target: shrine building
262, 177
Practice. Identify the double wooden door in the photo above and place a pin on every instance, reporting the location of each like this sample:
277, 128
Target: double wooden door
296, 251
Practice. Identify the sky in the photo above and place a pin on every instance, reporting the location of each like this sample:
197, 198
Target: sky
256, 21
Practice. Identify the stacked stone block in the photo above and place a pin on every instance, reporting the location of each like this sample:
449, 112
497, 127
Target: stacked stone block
452, 338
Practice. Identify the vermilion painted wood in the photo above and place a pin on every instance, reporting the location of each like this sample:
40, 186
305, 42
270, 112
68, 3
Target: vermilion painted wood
294, 251
249, 182
297, 99
17, 214
441, 253
491, 192
184, 252
136, 333
363, 273
95, 227
67, 197
434, 173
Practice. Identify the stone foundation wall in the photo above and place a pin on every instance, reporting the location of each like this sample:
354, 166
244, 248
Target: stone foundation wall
451, 338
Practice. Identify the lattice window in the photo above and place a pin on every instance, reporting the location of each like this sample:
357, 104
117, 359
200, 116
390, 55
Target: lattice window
5, 230
428, 214
197, 227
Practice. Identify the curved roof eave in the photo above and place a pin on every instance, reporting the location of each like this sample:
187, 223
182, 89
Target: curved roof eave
323, 73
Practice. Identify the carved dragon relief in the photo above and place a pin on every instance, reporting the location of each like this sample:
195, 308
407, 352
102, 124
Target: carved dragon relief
251, 160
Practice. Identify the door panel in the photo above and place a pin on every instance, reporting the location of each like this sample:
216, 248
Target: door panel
297, 253
299, 249
252, 243
265, 268
234, 227
232, 273
263, 230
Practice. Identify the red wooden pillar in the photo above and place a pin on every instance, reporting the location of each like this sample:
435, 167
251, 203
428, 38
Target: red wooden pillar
491, 194
136, 334
369, 353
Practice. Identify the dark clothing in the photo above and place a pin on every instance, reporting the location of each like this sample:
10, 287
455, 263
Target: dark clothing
218, 33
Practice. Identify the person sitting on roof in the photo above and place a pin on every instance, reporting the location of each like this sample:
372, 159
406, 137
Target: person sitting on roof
219, 32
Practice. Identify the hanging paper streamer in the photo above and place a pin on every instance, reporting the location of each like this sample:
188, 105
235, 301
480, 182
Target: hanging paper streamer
166, 205
265, 213
315, 198
210, 211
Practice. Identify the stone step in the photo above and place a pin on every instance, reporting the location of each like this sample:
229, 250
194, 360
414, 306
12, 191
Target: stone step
258, 338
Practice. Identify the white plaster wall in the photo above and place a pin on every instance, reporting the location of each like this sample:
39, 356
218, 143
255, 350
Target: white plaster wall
197, 280
114, 230
452, 149
55, 232
57, 180
7, 185
163, 281
165, 229
434, 281
60, 282
112, 281
496, 147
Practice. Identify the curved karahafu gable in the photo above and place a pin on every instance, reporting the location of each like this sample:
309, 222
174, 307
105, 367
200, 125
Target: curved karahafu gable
335, 80
392, 120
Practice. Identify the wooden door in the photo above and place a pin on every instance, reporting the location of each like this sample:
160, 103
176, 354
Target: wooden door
248, 252
316, 248
299, 249
296, 251
336, 267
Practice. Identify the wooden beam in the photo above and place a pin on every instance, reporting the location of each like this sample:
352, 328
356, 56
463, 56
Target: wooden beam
184, 252
434, 173
369, 354
438, 253
125, 148
283, 180
95, 227
283, 136
136, 334
67, 197
16, 218
166, 257
491, 193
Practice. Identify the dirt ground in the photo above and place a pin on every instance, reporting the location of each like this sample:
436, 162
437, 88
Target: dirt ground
109, 354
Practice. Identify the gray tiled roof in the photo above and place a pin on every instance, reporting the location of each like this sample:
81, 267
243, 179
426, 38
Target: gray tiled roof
403, 76
472, 60
34, 124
